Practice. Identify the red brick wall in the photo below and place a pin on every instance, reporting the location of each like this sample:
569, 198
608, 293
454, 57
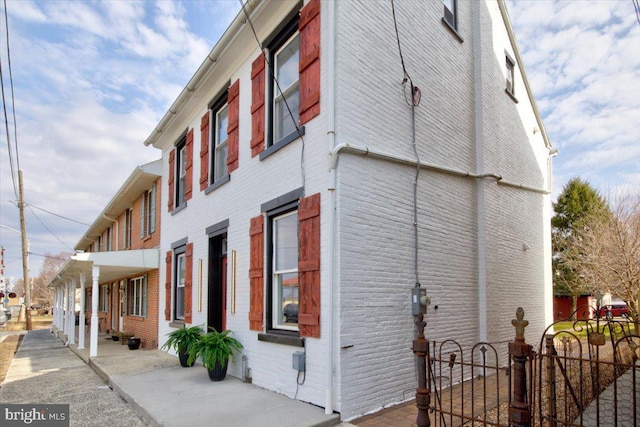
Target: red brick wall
146, 328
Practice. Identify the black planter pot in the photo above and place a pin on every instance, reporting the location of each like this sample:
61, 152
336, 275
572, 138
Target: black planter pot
133, 343
218, 373
115, 337
184, 357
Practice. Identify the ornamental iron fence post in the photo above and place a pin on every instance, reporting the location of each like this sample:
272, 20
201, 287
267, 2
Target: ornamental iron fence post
520, 353
423, 393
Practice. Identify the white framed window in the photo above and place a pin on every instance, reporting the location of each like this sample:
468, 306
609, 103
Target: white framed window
151, 209
108, 239
284, 271
510, 75
143, 215
103, 298
179, 285
126, 232
451, 13
137, 296
286, 89
220, 141
148, 212
182, 173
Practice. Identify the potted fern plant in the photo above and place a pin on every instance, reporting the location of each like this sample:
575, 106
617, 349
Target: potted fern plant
215, 349
182, 341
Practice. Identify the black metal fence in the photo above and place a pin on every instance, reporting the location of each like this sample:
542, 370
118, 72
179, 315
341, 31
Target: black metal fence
586, 374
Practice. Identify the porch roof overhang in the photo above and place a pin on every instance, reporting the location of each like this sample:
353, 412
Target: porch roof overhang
113, 265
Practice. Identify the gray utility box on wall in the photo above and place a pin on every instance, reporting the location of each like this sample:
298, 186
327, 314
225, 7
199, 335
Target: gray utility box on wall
298, 361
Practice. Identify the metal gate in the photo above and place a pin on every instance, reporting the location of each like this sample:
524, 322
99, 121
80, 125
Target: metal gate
583, 375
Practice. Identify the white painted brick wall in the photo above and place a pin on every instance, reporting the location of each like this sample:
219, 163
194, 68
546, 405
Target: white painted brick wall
375, 201
374, 222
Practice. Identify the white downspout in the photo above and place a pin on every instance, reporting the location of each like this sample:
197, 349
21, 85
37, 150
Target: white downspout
480, 185
117, 231
331, 137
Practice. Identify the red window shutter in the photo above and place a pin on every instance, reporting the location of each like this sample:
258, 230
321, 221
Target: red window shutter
233, 129
309, 27
257, 105
172, 177
167, 286
204, 151
309, 266
256, 274
188, 281
188, 184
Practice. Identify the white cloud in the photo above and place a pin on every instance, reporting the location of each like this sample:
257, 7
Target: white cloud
579, 56
26, 10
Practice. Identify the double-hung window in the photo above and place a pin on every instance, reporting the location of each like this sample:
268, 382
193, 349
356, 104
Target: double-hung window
284, 271
179, 285
151, 209
137, 296
451, 13
143, 215
510, 73
103, 298
126, 233
219, 138
181, 165
284, 87
108, 239
148, 212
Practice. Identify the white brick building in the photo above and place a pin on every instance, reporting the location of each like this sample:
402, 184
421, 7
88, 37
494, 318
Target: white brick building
336, 204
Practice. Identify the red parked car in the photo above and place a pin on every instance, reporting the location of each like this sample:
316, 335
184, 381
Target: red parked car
615, 310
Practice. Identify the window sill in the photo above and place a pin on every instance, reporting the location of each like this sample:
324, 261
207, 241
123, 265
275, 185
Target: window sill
455, 32
176, 324
179, 208
219, 183
512, 96
282, 143
282, 338
135, 317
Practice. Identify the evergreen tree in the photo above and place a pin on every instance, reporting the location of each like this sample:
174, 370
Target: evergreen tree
576, 204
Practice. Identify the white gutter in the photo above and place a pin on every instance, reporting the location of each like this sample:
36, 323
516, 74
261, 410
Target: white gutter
368, 152
117, 230
331, 137
480, 196
225, 41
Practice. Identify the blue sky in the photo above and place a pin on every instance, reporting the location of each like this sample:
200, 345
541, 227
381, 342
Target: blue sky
93, 78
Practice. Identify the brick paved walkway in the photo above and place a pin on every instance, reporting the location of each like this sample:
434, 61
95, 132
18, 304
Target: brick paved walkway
473, 399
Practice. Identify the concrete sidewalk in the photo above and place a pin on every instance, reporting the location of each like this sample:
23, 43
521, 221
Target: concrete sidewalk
159, 389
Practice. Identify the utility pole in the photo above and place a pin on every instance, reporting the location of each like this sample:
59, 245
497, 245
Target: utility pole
25, 253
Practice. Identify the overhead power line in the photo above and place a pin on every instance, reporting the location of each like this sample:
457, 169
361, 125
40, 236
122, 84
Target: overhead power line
49, 230
58, 215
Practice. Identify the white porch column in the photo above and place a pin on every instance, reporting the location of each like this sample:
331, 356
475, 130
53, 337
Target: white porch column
65, 309
60, 290
72, 311
57, 309
68, 312
83, 305
54, 313
93, 343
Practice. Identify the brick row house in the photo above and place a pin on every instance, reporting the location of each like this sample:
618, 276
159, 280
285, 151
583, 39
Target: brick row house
315, 176
115, 267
